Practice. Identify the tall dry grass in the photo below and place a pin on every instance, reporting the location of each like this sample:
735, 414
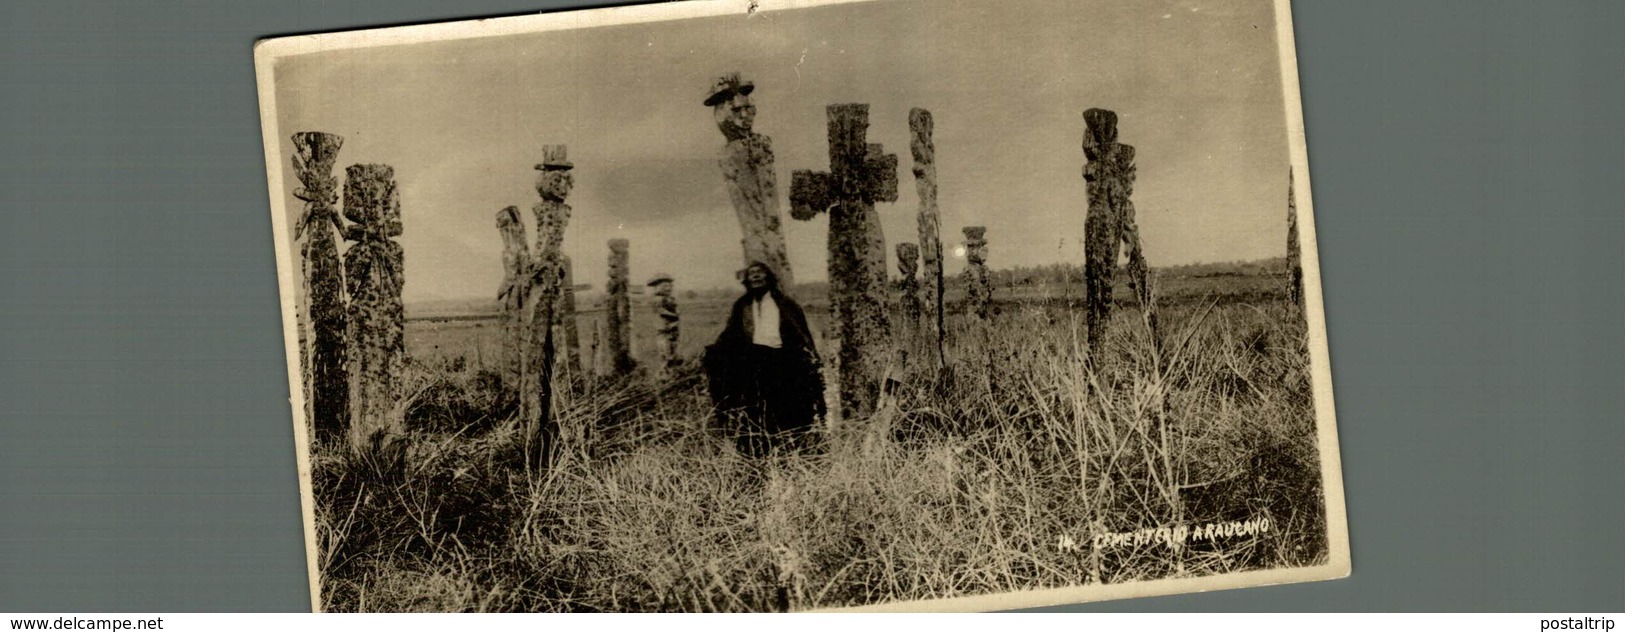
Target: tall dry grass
993, 475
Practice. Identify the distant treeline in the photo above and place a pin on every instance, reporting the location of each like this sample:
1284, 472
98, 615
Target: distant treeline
1181, 279
1070, 273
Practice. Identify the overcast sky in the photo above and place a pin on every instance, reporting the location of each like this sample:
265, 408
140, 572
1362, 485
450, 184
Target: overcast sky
1196, 85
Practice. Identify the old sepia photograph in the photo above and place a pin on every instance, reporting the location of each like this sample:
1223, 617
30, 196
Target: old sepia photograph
791, 305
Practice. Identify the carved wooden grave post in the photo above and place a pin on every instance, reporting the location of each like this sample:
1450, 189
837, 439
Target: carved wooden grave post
553, 184
1109, 177
595, 352
567, 318
925, 183
618, 310
322, 355
374, 277
860, 174
978, 287
511, 296
1294, 258
668, 320
747, 169
908, 262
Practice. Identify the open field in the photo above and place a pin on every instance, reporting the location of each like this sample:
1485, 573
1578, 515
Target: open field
1007, 471
472, 330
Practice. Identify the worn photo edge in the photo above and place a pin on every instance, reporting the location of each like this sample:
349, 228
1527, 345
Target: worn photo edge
267, 51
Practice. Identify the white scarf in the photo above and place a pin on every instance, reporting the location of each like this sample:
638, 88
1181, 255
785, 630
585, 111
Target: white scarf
764, 318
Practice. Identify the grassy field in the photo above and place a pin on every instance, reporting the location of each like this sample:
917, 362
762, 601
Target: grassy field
1005, 472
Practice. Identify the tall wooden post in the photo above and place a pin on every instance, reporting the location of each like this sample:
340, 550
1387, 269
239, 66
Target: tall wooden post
860, 174
1294, 258
908, 263
553, 184
568, 331
595, 350
1109, 177
374, 277
747, 170
920, 126
326, 388
978, 287
668, 321
513, 292
618, 311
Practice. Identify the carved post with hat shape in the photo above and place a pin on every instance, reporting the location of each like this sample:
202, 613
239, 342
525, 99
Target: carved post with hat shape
553, 184
747, 171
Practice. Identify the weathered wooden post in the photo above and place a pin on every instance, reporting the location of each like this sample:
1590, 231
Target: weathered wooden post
747, 168
1294, 258
618, 310
1109, 176
908, 262
322, 358
860, 174
595, 352
553, 184
667, 329
513, 292
978, 287
567, 318
920, 126
374, 276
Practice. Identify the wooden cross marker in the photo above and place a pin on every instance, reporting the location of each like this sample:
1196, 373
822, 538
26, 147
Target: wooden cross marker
860, 174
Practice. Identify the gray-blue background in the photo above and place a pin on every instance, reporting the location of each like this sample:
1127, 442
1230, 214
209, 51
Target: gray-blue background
1467, 159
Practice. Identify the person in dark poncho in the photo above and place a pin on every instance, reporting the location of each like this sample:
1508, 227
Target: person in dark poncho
763, 370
